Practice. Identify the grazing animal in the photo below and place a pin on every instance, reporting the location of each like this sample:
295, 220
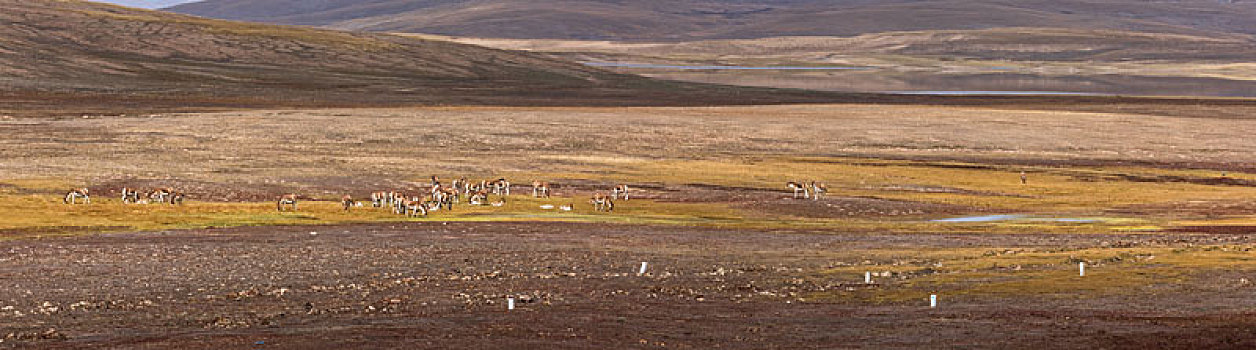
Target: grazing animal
76, 193
817, 189
602, 202
347, 202
798, 187
130, 195
540, 189
618, 190
289, 200
160, 195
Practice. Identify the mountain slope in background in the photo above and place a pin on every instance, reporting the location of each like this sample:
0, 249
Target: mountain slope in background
77, 47
722, 19
147, 4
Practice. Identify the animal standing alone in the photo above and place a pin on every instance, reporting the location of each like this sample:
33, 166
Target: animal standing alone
347, 202
288, 200
74, 194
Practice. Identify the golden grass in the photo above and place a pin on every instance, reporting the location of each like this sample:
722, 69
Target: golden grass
1015, 272
1068, 192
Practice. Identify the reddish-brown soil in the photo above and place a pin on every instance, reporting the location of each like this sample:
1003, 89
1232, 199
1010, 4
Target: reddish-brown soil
443, 285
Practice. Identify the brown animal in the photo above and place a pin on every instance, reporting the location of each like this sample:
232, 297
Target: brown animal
130, 195
287, 200
798, 187
379, 199
347, 202
620, 189
602, 202
540, 189
176, 197
74, 194
478, 198
818, 189
500, 187
160, 195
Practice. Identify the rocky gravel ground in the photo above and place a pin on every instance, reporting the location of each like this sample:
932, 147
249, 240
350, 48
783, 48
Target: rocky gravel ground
446, 285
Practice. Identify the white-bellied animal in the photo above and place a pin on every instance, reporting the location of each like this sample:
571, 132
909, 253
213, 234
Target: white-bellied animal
160, 195
379, 199
540, 189
798, 187
602, 202
288, 200
478, 198
500, 187
130, 195
74, 194
347, 202
567, 207
414, 208
399, 203
620, 189
818, 189
451, 196
499, 203
471, 187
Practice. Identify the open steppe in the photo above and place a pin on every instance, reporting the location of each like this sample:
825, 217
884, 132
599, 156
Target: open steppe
1154, 196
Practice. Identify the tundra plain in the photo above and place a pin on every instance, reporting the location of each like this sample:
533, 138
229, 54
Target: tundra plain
1154, 197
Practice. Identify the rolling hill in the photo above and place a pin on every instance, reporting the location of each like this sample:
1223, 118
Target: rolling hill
147, 4
679, 20
56, 52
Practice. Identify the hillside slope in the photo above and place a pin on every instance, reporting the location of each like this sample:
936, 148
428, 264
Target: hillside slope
77, 47
722, 19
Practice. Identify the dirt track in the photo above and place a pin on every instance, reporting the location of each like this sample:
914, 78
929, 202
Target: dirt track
439, 285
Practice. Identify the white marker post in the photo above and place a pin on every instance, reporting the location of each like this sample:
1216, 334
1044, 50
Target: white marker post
933, 301
643, 265
1081, 269
867, 277
510, 303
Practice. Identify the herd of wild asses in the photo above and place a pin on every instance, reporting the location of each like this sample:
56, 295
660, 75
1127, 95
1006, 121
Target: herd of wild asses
439, 196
